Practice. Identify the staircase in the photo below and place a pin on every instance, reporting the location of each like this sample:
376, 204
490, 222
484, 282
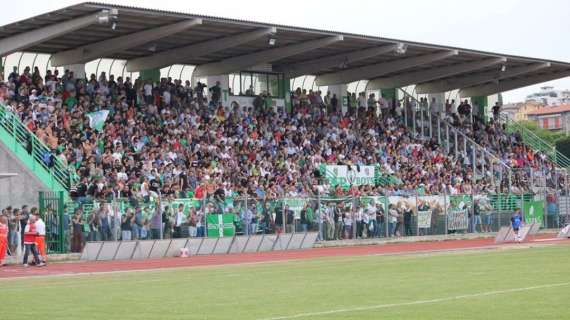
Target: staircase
35, 155
456, 142
531, 139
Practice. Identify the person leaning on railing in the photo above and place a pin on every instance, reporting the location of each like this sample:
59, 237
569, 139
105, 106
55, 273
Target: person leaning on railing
127, 221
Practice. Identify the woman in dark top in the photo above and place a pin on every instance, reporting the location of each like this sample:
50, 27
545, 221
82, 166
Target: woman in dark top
126, 226
278, 219
304, 220
94, 226
408, 221
167, 221
77, 231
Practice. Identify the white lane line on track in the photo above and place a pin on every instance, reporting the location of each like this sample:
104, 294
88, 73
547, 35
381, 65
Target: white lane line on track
417, 302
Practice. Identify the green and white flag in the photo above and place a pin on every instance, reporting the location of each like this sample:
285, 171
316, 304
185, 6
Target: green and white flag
457, 219
424, 219
295, 204
97, 119
220, 225
347, 176
533, 211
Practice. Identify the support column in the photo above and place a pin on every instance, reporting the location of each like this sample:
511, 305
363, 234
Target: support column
152, 75
439, 131
341, 95
437, 107
455, 135
447, 136
479, 105
286, 89
474, 164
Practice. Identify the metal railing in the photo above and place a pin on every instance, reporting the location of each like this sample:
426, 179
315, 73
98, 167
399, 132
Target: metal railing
534, 141
335, 218
452, 136
37, 157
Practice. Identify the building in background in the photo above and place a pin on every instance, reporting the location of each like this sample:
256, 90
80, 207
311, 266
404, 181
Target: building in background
550, 97
520, 111
552, 118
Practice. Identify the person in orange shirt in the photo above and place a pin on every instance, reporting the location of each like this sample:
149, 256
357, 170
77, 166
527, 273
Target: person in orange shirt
30, 234
40, 238
3, 239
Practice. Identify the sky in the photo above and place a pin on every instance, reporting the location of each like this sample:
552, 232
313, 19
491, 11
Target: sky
538, 29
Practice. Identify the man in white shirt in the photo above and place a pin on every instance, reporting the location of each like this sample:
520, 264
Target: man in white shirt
40, 238
147, 92
179, 218
166, 97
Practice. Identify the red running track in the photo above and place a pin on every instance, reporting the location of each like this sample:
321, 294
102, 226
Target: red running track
150, 264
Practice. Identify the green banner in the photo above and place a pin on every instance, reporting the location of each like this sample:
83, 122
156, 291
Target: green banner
347, 176
460, 202
220, 225
533, 211
295, 204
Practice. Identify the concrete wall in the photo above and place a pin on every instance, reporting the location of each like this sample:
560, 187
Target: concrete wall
21, 189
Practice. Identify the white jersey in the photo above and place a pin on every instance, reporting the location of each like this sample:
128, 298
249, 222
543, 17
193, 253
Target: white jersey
41, 227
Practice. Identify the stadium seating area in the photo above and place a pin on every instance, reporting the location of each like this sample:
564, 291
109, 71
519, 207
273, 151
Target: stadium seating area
175, 139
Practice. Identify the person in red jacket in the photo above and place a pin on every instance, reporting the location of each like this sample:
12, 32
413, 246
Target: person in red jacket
3, 239
30, 234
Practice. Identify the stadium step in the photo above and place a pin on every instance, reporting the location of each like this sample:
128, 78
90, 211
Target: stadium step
34, 154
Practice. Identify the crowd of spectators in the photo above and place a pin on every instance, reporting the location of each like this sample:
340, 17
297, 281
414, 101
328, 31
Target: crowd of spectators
177, 140
530, 168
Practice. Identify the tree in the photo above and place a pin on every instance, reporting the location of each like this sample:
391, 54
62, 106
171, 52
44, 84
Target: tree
563, 146
546, 135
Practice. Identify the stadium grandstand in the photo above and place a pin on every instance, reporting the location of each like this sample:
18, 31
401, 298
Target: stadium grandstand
104, 104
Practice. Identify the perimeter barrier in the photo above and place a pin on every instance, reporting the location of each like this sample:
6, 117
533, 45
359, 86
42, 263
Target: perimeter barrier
267, 221
154, 249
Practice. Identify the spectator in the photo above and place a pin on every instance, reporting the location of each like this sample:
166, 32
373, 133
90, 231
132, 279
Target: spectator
94, 222
3, 239
156, 223
408, 213
290, 219
77, 232
179, 219
30, 234
41, 235
305, 222
393, 218
126, 225
167, 223
380, 221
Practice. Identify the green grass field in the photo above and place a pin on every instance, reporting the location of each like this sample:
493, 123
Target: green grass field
532, 283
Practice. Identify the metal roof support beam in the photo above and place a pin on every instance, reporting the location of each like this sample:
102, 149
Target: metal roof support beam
409, 78
30, 38
462, 82
511, 84
178, 55
340, 60
380, 69
103, 48
266, 56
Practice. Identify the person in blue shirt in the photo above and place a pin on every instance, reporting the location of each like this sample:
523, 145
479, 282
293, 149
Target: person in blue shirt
516, 223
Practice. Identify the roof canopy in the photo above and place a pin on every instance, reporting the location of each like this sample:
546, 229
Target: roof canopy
152, 39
